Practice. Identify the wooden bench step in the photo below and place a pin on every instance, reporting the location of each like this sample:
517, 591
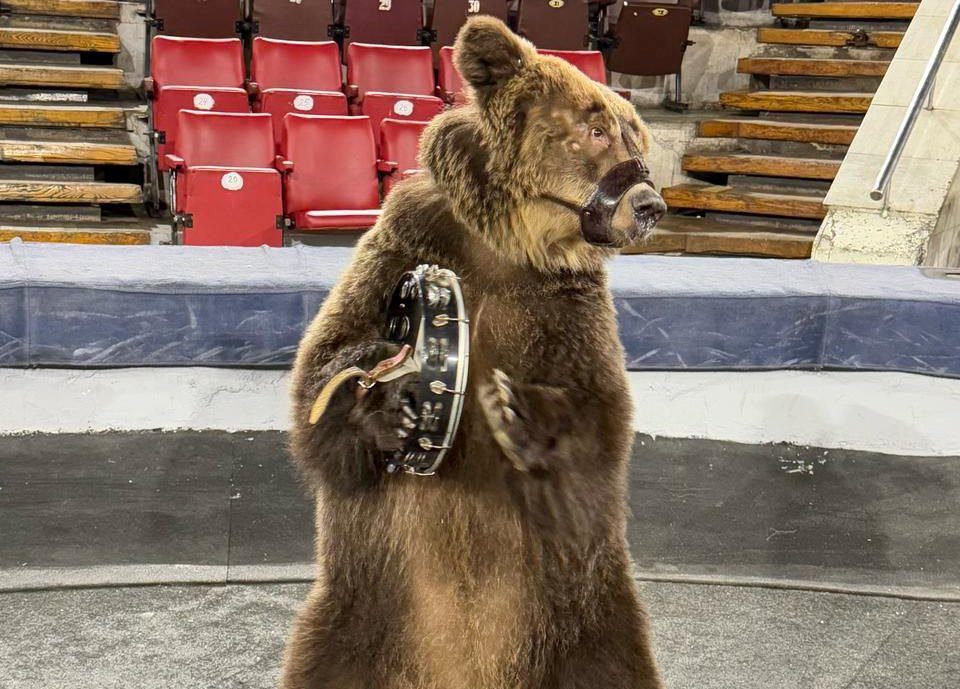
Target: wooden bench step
69, 192
763, 165
727, 199
797, 101
56, 39
846, 10
37, 115
774, 130
67, 152
81, 77
67, 234
678, 234
103, 9
811, 67
827, 37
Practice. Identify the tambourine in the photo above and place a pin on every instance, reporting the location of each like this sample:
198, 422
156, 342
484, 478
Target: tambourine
426, 312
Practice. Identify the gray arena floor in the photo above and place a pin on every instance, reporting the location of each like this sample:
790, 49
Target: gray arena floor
707, 637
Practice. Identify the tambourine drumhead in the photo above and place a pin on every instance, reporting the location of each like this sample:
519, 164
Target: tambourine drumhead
426, 311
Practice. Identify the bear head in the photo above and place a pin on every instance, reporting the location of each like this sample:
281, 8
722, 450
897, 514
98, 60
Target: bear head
537, 142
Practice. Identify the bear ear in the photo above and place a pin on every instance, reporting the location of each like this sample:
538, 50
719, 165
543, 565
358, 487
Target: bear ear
487, 54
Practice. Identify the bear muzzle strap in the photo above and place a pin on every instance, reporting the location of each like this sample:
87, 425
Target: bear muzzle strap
596, 214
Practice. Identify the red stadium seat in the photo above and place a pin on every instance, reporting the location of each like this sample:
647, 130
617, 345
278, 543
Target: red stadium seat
196, 74
399, 146
331, 181
590, 62
555, 24
388, 22
197, 18
226, 189
379, 106
391, 81
303, 20
292, 76
449, 84
450, 15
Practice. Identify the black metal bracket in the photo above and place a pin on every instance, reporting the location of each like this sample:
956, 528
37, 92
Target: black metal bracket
426, 36
338, 32
184, 219
160, 137
281, 222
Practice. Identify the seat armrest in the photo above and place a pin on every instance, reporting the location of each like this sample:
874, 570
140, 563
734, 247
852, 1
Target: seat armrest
386, 165
352, 91
412, 172
174, 161
282, 164
148, 87
252, 87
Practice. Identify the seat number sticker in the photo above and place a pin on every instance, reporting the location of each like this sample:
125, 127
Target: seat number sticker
660, 12
556, 4
404, 108
232, 181
473, 6
385, 5
303, 103
203, 101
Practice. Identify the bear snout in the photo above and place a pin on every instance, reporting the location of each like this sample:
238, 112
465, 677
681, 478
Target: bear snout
639, 210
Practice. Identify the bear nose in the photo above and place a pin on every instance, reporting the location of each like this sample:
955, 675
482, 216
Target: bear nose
648, 206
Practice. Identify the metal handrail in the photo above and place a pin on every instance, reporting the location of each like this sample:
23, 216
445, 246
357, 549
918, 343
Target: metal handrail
923, 93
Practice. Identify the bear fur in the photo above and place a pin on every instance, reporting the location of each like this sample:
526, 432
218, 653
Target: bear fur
508, 569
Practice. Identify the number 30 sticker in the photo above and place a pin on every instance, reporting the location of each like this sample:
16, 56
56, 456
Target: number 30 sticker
232, 181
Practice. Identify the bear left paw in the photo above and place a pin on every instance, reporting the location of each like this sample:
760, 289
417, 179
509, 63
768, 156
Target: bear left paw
504, 410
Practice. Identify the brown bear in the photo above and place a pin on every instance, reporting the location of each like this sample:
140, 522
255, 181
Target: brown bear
509, 568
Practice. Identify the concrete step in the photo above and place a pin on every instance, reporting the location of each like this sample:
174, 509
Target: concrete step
713, 197
69, 192
797, 101
105, 9
81, 116
767, 165
753, 128
859, 38
58, 39
38, 215
811, 67
74, 233
80, 77
845, 10
67, 152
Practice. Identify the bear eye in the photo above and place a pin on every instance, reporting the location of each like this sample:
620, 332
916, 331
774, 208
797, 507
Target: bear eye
597, 133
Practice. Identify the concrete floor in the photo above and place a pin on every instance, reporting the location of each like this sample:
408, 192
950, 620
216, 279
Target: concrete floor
707, 637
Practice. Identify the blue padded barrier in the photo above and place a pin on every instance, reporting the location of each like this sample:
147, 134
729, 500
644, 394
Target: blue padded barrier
85, 306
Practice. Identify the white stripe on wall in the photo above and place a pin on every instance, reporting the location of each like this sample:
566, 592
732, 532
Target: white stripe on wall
895, 413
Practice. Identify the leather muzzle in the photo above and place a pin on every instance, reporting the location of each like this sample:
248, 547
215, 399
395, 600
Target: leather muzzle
596, 215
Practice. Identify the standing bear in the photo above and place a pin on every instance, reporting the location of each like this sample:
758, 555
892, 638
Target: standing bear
509, 568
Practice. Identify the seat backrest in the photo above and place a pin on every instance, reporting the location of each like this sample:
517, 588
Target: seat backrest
590, 62
394, 69
304, 20
554, 24
177, 61
334, 163
198, 18
400, 142
388, 22
449, 16
448, 78
295, 65
225, 139
649, 38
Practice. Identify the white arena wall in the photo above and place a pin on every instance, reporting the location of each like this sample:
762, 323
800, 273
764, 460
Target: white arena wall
886, 412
